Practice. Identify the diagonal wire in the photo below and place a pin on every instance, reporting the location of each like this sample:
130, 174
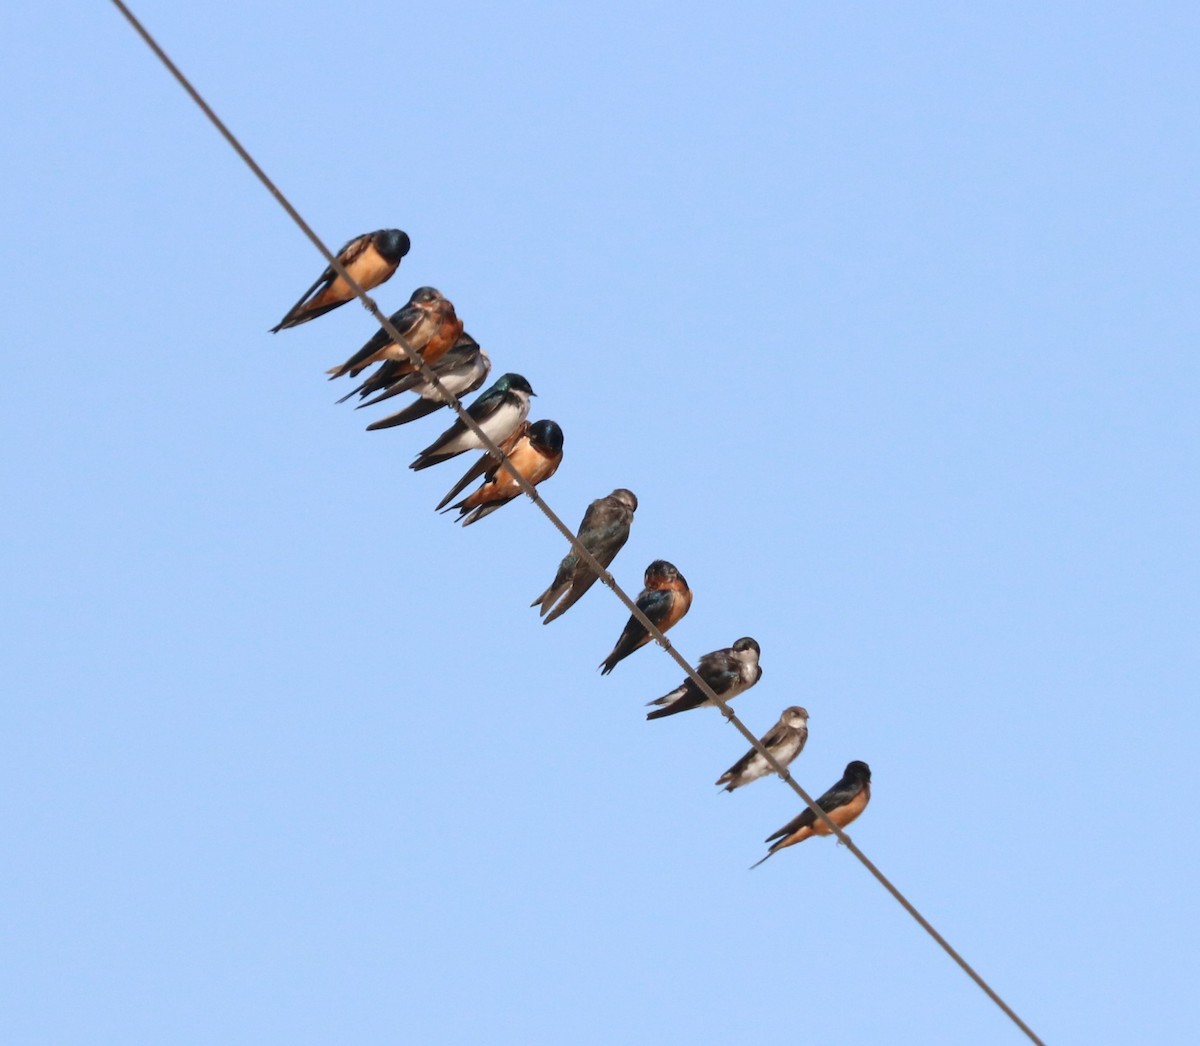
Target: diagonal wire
528, 488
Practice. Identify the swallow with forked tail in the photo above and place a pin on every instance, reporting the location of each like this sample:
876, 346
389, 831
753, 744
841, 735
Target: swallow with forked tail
785, 740
664, 600
728, 672
603, 532
535, 451
843, 803
428, 323
370, 259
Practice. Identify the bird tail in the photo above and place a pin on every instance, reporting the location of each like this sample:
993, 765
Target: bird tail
658, 713
483, 510
385, 379
473, 473
301, 311
757, 863
666, 699
579, 587
425, 459
545, 602
403, 417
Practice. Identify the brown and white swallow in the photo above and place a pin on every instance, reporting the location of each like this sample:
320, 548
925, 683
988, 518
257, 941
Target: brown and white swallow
603, 532
785, 740
728, 672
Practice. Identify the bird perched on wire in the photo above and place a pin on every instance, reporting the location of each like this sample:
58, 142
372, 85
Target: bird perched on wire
603, 532
370, 259
463, 369
843, 803
498, 410
428, 323
728, 672
664, 600
535, 451
785, 740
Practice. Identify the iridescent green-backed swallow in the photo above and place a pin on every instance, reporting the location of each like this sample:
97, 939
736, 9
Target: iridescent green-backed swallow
498, 410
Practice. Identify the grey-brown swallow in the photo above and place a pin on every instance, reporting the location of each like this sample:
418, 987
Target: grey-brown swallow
603, 532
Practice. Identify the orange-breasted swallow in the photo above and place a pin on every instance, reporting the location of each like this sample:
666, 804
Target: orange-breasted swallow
785, 740
603, 532
428, 323
463, 369
843, 803
535, 450
728, 672
499, 411
370, 259
664, 600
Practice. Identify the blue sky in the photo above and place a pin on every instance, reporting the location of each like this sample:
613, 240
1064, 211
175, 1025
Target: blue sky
888, 316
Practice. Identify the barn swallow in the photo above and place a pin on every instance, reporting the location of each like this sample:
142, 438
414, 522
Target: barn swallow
785, 740
499, 411
728, 672
370, 259
463, 369
428, 323
603, 532
535, 450
843, 803
664, 600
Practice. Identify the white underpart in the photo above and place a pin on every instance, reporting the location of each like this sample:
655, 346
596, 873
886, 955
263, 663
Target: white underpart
784, 754
498, 425
747, 672
455, 382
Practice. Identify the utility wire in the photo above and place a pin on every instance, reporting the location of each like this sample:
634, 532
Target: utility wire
528, 488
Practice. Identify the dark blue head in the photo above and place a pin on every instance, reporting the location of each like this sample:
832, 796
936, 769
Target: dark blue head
546, 436
393, 244
858, 771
